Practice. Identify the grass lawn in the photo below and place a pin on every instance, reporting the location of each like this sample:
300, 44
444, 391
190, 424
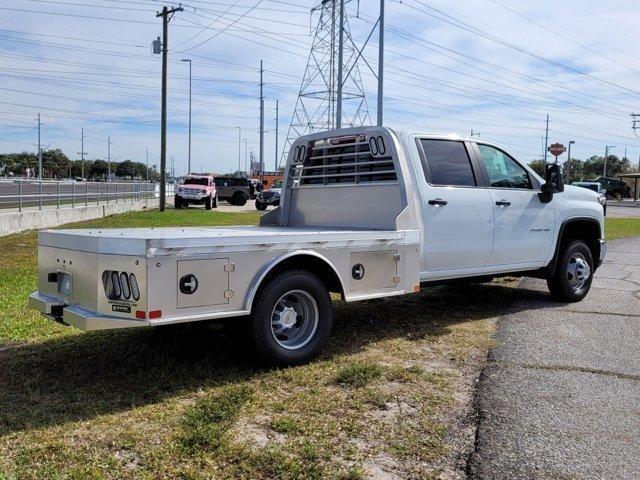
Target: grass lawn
390, 398
622, 228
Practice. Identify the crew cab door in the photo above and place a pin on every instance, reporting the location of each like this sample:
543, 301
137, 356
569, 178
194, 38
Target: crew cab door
457, 208
524, 226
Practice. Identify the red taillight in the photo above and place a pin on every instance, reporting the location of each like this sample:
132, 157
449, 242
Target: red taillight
141, 314
155, 314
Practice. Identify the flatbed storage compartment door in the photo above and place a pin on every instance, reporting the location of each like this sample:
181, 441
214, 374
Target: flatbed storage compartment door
202, 283
374, 270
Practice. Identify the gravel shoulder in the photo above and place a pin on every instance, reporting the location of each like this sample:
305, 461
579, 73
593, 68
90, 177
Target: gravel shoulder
560, 396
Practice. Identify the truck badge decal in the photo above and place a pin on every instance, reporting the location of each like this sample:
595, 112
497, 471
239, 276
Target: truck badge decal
121, 308
188, 284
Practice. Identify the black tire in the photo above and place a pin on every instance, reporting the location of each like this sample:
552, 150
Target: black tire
239, 199
314, 329
177, 202
261, 205
215, 202
566, 284
208, 203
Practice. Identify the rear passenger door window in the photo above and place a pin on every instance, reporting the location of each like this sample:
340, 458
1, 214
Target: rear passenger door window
447, 162
503, 171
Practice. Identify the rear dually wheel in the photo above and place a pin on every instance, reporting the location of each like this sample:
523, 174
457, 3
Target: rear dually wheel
291, 318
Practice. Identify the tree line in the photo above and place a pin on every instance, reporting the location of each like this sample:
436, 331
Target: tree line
588, 169
55, 164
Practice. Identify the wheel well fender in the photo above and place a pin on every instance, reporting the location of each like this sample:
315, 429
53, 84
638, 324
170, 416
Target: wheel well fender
578, 228
301, 259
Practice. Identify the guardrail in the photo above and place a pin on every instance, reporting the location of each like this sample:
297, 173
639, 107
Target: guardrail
28, 193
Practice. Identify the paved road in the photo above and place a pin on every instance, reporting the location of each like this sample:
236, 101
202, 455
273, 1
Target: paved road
560, 397
623, 209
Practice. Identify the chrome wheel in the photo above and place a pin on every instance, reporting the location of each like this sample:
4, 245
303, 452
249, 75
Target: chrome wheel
578, 272
294, 319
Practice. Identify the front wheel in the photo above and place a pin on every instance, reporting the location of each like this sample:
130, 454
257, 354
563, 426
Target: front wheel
214, 204
260, 205
208, 203
239, 199
574, 273
177, 202
291, 318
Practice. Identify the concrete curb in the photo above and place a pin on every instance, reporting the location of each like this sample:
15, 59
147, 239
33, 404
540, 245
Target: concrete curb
15, 222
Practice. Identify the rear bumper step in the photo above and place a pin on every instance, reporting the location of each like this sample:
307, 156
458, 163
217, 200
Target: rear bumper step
78, 317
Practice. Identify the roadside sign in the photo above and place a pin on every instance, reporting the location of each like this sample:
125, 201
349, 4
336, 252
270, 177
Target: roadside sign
557, 149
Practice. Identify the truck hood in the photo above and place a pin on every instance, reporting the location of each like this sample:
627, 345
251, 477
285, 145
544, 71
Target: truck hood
192, 187
579, 193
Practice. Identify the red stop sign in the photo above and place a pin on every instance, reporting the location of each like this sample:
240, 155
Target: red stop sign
557, 149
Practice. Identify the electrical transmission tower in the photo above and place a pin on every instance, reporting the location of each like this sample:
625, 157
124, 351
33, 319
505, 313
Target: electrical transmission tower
324, 102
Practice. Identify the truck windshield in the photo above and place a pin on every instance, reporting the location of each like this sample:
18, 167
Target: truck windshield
196, 181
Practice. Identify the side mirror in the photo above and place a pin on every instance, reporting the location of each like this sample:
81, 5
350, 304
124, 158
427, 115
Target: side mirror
553, 182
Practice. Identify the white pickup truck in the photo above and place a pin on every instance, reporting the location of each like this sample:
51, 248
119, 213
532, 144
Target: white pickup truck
365, 213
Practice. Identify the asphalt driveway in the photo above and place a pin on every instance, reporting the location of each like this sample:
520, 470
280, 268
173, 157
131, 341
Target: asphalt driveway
560, 396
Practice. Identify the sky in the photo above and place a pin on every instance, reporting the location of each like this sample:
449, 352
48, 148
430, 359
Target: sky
496, 67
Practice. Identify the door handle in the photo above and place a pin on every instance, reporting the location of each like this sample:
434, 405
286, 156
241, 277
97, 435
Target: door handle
437, 201
503, 203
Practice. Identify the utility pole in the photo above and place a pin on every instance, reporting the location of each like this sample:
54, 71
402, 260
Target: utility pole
546, 140
108, 158
189, 158
276, 157
82, 155
340, 52
148, 164
166, 14
606, 155
261, 122
239, 147
380, 62
39, 152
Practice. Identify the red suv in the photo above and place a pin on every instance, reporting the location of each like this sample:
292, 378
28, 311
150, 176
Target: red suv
198, 189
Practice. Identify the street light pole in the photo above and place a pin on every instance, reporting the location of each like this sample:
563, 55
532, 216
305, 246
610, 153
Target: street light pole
276, 157
108, 158
189, 158
239, 147
566, 170
245, 158
261, 121
39, 152
82, 154
546, 140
